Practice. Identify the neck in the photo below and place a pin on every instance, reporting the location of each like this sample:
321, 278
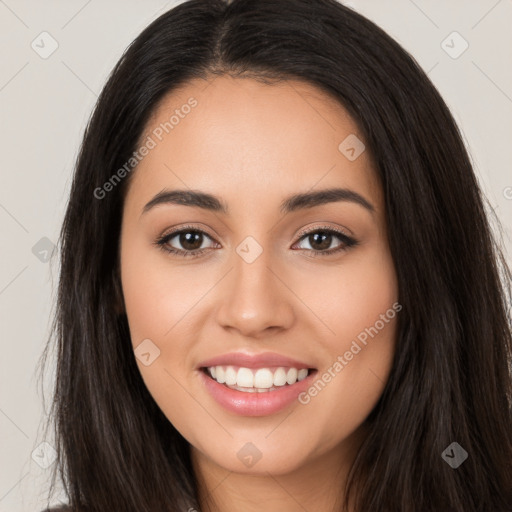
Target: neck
316, 486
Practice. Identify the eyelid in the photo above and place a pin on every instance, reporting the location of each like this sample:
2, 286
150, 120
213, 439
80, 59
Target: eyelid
348, 240
186, 227
307, 231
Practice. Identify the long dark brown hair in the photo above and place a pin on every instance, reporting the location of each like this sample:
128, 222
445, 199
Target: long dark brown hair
451, 375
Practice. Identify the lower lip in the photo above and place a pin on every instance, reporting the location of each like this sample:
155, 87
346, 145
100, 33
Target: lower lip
255, 404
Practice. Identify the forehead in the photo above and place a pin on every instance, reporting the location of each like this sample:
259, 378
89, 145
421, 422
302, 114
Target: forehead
243, 139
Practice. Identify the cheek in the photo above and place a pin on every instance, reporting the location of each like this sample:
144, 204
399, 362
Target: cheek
359, 304
158, 300
350, 296
363, 294
366, 322
158, 295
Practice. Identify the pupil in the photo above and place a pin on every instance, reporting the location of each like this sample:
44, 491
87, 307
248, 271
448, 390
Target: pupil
193, 240
322, 245
189, 240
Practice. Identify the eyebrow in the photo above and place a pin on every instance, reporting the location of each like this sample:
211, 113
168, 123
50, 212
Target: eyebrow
293, 203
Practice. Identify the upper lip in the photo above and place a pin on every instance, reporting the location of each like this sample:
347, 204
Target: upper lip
263, 360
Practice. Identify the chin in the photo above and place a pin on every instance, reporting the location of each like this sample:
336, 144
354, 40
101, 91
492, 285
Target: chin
259, 459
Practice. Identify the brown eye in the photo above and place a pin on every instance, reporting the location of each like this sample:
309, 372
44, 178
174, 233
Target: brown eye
321, 240
189, 241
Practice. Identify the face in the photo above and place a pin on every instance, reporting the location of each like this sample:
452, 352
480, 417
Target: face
287, 296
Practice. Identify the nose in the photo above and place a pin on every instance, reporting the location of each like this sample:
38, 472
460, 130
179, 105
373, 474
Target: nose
255, 299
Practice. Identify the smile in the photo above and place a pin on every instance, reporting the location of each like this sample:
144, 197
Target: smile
255, 384
256, 380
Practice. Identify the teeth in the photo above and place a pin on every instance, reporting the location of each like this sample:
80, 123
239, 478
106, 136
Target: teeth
219, 374
230, 376
280, 377
261, 379
291, 376
244, 378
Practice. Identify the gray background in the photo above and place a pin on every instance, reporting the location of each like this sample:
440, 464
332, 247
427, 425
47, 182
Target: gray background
45, 103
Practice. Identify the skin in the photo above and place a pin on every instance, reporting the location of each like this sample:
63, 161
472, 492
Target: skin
253, 145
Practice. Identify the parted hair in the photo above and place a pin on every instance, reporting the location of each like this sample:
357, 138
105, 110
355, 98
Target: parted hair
451, 375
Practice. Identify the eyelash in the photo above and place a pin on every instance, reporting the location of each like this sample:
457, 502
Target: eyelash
162, 241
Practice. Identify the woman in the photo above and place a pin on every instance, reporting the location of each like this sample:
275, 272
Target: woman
279, 288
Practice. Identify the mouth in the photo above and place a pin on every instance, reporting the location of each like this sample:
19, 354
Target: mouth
255, 384
257, 380
253, 392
